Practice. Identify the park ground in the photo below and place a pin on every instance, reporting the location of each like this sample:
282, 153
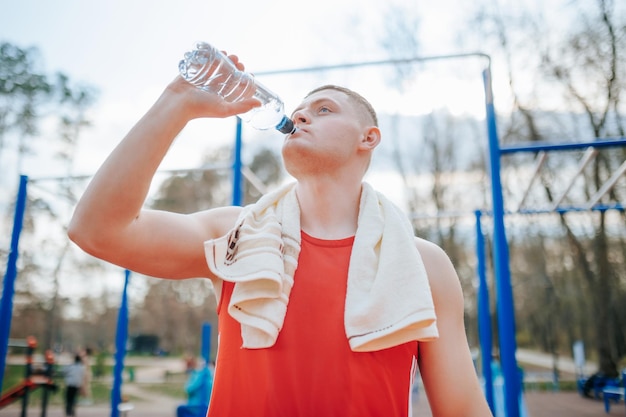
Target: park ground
149, 403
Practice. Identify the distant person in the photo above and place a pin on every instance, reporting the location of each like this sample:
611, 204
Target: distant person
85, 389
328, 304
73, 376
190, 363
198, 388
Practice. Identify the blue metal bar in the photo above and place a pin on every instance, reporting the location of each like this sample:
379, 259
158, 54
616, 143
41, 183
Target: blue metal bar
120, 349
578, 209
377, 63
484, 315
545, 146
561, 209
206, 342
237, 177
504, 291
8, 288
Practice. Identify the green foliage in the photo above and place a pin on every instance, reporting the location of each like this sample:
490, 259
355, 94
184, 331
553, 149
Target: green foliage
28, 95
568, 386
32, 104
13, 374
21, 88
99, 367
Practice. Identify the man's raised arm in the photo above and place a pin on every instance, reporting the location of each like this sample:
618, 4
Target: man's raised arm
109, 221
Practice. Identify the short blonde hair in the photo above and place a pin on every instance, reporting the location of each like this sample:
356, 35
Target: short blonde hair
354, 97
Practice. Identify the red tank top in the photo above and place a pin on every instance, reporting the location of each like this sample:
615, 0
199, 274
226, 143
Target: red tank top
311, 370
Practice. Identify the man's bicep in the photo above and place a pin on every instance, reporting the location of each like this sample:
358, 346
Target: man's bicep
168, 245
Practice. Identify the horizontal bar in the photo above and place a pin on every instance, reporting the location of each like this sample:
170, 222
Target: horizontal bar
562, 209
175, 171
546, 146
567, 209
377, 63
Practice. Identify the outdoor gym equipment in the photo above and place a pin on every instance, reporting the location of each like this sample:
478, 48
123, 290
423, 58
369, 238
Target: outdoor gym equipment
34, 378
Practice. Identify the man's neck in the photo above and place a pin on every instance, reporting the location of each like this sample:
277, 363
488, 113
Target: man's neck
328, 210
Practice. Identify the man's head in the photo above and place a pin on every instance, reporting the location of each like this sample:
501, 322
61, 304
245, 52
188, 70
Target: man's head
358, 100
337, 132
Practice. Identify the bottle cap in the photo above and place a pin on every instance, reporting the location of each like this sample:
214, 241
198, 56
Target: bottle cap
286, 126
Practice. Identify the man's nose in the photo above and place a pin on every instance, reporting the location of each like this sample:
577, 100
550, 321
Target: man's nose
300, 117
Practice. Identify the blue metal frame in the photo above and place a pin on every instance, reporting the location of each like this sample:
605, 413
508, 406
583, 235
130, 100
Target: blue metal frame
237, 197
546, 146
505, 307
504, 292
121, 337
8, 286
206, 343
484, 315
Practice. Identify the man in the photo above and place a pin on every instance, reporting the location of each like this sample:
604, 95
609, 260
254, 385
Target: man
324, 309
73, 376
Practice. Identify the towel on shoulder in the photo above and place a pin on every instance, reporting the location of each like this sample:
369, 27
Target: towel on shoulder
388, 300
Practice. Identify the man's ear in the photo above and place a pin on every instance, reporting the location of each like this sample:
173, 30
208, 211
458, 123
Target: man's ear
371, 138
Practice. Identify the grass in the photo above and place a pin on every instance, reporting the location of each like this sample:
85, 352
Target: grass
174, 386
171, 389
14, 375
549, 386
101, 387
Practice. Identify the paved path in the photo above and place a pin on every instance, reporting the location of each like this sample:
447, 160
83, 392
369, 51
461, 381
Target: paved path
538, 404
544, 360
149, 404
568, 404
548, 404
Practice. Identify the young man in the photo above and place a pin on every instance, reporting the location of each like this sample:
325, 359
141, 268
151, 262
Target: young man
327, 301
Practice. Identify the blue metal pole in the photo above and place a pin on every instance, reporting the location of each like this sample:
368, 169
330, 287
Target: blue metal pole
484, 314
120, 349
504, 291
8, 289
206, 342
237, 194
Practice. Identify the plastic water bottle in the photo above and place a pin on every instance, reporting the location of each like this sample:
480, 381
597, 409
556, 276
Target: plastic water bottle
209, 69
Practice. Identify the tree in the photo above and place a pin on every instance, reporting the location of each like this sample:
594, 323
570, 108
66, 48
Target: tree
22, 90
434, 155
565, 85
586, 70
29, 100
29, 96
592, 55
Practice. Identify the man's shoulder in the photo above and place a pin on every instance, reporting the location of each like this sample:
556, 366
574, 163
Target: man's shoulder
430, 249
436, 261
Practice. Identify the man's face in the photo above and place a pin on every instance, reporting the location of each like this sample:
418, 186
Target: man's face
328, 132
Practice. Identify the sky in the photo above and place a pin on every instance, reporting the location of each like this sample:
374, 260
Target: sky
129, 49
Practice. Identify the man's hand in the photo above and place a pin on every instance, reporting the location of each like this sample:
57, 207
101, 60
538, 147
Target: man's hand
199, 103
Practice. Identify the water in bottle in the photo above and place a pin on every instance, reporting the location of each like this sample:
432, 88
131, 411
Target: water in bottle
209, 69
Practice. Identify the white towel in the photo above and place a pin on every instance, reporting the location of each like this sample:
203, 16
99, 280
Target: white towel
388, 300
